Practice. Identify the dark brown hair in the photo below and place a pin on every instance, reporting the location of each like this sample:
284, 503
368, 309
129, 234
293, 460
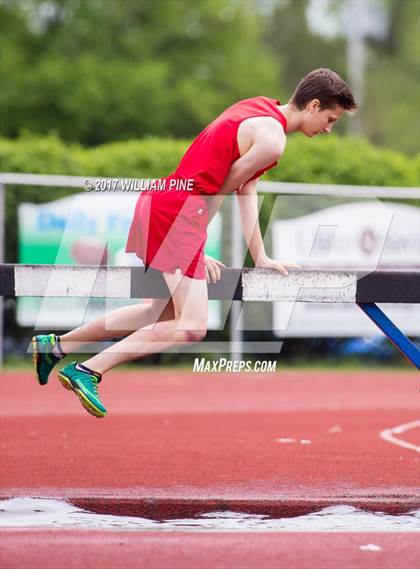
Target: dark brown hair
328, 87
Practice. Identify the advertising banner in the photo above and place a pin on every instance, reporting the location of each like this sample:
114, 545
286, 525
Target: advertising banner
84, 229
362, 235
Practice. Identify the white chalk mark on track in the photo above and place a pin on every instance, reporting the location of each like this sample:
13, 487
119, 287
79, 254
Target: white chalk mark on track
302, 441
370, 547
388, 435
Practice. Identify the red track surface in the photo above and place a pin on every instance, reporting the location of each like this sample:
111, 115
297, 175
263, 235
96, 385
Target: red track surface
182, 442
153, 550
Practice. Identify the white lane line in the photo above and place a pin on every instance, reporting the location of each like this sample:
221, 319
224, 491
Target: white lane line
388, 435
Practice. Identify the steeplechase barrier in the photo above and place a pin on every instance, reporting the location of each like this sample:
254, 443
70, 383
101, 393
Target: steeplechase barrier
257, 285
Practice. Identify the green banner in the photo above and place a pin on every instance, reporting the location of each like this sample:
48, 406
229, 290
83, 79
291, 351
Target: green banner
84, 229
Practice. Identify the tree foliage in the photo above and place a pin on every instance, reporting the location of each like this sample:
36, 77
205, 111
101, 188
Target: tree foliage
109, 70
393, 98
94, 71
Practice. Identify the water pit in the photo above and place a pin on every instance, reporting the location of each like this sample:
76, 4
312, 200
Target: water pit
53, 513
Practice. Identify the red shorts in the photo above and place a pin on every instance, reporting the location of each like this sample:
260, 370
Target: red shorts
169, 231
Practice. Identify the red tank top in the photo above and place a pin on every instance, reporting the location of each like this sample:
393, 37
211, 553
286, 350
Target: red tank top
210, 156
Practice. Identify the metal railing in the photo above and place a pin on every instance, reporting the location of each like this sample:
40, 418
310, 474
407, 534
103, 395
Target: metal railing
237, 250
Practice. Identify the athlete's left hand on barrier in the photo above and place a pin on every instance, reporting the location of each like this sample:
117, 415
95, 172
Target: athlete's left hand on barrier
213, 266
281, 267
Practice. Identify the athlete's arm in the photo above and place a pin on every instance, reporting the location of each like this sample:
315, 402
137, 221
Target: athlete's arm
267, 145
248, 207
214, 203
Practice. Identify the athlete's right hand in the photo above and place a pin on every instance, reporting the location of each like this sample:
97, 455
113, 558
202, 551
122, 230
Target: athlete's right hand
213, 266
267, 263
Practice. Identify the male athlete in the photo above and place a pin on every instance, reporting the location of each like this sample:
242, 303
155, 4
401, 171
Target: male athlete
169, 231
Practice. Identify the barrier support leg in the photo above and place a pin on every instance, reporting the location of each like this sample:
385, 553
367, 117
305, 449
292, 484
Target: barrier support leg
392, 332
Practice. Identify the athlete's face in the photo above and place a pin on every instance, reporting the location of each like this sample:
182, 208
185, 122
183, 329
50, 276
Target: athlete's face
317, 121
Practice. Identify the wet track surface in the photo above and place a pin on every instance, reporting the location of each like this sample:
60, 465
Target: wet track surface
206, 468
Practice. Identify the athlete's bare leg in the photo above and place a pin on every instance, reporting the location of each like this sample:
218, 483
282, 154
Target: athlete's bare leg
190, 301
118, 323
